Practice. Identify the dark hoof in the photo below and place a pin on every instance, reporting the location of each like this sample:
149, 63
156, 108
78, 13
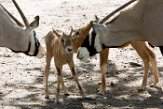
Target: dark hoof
66, 94
91, 97
47, 97
153, 85
141, 90
48, 100
57, 102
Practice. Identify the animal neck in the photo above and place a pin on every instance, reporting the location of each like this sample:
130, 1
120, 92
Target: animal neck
59, 49
79, 40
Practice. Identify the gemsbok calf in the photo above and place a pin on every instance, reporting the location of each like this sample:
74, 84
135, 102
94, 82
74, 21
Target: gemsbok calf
140, 22
59, 46
17, 38
141, 48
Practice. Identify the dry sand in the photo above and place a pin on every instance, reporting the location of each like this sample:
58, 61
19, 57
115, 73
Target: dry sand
22, 77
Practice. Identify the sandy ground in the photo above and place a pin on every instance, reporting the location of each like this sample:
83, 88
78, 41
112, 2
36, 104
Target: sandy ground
22, 77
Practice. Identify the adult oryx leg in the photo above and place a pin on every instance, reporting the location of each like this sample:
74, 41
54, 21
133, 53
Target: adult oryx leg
153, 61
147, 56
103, 68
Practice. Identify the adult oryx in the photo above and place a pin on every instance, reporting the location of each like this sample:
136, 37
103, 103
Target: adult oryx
140, 22
17, 38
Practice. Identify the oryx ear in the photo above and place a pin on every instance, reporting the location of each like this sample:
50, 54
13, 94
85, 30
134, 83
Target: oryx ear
98, 27
58, 33
94, 21
34, 24
96, 18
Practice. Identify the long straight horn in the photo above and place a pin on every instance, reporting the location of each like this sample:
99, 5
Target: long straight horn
115, 11
16, 20
21, 13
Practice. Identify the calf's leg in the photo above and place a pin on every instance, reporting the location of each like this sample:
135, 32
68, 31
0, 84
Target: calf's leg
75, 78
59, 81
47, 68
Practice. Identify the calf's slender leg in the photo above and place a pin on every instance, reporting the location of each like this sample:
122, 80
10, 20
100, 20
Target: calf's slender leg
75, 77
47, 68
59, 81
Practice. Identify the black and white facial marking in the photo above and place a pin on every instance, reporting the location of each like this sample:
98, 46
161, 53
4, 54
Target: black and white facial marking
34, 47
90, 46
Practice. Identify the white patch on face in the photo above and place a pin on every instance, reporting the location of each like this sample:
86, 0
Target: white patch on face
41, 52
83, 54
32, 48
90, 37
97, 44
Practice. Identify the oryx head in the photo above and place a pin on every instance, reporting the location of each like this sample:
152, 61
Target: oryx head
34, 47
93, 42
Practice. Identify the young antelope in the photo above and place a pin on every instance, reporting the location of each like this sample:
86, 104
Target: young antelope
60, 47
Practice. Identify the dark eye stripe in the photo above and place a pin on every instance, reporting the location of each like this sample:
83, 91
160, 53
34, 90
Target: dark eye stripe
37, 44
93, 37
89, 43
93, 33
34, 33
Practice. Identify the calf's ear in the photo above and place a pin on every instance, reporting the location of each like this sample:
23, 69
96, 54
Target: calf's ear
57, 33
96, 18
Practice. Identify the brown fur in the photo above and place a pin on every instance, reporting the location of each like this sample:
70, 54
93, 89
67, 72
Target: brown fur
55, 49
81, 35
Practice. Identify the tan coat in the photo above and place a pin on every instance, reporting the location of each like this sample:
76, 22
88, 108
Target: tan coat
141, 22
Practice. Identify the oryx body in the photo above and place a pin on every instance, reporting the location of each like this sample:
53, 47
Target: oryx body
132, 26
140, 22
